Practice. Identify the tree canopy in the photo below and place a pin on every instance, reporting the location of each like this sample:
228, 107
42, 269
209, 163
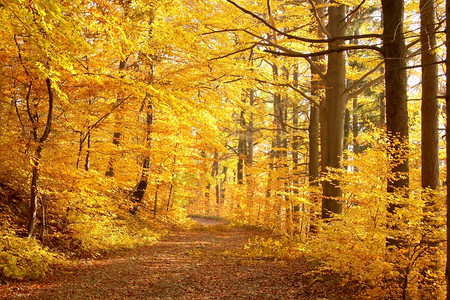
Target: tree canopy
320, 119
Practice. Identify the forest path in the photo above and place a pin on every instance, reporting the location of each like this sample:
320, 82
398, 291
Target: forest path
204, 263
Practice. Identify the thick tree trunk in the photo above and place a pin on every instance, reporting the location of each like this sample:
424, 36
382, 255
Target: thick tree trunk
430, 109
396, 92
335, 105
430, 136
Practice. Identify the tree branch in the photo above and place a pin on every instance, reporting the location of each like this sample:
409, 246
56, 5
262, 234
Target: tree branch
302, 39
291, 53
316, 15
366, 87
357, 82
48, 124
234, 52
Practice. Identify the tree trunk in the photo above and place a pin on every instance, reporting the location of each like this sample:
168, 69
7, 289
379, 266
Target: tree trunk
241, 159
295, 156
87, 161
346, 130
242, 149
447, 141
250, 139
355, 126
216, 176
430, 136
396, 88
116, 136
335, 105
430, 109
141, 187
34, 189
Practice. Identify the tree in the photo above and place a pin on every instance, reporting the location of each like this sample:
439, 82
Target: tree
447, 102
430, 108
430, 122
394, 50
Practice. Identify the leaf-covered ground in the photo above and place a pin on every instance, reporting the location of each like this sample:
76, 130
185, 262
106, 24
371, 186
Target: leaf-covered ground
205, 263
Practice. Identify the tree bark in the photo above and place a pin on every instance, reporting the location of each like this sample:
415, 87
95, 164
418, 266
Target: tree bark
335, 105
34, 189
87, 161
447, 141
242, 149
355, 125
394, 51
430, 138
141, 187
430, 109
116, 136
396, 92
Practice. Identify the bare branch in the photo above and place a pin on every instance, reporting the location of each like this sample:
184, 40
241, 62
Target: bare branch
357, 82
298, 38
234, 52
365, 87
316, 69
352, 14
291, 53
317, 16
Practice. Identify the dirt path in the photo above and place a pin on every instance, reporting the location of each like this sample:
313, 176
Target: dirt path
195, 264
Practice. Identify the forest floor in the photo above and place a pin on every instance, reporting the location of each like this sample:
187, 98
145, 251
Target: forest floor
207, 262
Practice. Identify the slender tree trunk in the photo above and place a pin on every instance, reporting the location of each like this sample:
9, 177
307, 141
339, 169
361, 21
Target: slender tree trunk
34, 189
295, 156
169, 198
141, 187
117, 134
80, 149
316, 114
43, 219
222, 185
87, 161
32, 214
216, 176
242, 150
346, 130
155, 207
250, 133
447, 141
355, 125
